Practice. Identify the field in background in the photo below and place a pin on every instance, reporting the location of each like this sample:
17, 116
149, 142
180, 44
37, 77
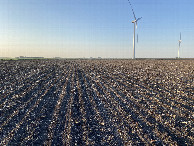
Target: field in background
96, 102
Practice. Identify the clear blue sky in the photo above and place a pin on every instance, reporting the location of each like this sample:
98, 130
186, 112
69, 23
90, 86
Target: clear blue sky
84, 28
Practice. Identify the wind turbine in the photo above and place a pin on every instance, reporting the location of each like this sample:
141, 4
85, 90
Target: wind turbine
135, 24
179, 45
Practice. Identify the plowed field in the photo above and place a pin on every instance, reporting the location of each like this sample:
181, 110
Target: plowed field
96, 102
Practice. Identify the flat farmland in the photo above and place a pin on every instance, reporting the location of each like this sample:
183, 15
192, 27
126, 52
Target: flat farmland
96, 102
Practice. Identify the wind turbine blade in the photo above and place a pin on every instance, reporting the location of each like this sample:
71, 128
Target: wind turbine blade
132, 9
137, 38
180, 36
138, 19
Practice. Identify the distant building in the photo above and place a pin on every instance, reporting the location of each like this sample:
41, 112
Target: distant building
22, 57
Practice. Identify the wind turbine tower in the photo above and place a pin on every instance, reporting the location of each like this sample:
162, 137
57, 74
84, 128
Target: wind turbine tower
135, 24
179, 46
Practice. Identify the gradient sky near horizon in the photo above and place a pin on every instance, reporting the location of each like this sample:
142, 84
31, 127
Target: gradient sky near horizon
95, 28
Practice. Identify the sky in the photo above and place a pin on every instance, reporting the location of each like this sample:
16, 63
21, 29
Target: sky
96, 28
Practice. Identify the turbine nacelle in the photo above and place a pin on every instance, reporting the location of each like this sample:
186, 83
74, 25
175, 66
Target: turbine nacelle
135, 21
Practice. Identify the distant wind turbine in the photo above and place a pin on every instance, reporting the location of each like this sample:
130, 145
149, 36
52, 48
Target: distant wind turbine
135, 24
179, 46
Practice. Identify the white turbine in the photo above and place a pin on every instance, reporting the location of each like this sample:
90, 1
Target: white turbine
135, 24
179, 46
